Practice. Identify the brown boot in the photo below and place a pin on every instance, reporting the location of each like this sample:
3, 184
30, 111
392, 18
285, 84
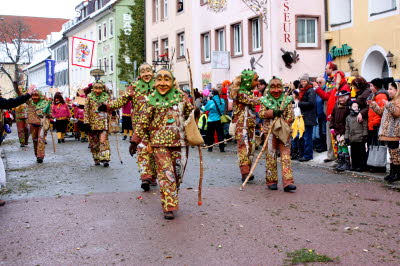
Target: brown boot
244, 176
2, 202
169, 215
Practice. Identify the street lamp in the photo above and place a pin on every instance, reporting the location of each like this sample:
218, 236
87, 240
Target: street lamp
389, 57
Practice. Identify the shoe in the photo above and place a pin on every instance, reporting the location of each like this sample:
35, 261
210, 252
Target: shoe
96, 163
2, 202
39, 160
145, 185
328, 160
63, 140
153, 183
393, 174
289, 188
106, 164
303, 159
273, 187
59, 141
169, 215
210, 149
22, 145
340, 160
82, 139
346, 163
124, 138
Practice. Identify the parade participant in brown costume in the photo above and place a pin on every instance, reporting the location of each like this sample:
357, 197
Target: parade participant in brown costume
245, 118
162, 123
137, 93
98, 124
21, 116
275, 105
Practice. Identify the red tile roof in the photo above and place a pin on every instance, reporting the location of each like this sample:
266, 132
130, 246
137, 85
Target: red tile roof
40, 27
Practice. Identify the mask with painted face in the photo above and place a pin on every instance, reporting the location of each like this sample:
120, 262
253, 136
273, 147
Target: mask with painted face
165, 94
146, 72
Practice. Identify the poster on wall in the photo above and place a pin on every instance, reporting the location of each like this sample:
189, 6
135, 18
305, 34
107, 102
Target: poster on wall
205, 78
82, 52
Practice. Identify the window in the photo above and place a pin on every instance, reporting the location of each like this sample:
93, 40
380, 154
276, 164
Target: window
381, 6
99, 32
181, 45
105, 30
165, 46
99, 66
105, 65
156, 51
255, 43
156, 10
307, 32
111, 63
205, 48
97, 4
111, 24
220, 45
340, 12
165, 9
236, 39
179, 6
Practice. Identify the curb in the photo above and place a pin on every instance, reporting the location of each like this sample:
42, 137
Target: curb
3, 178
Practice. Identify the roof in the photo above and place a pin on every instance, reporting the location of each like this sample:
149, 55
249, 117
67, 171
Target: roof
40, 27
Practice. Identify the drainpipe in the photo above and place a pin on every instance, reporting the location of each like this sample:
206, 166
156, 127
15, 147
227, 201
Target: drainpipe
145, 36
270, 37
326, 26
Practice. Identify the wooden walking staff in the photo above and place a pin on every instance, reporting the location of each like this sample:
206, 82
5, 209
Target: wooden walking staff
215, 144
199, 195
253, 167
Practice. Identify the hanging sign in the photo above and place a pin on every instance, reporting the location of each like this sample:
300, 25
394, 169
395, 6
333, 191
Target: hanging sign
50, 72
82, 52
342, 51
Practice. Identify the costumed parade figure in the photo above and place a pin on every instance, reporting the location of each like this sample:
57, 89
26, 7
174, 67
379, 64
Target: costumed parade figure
162, 123
61, 114
79, 114
127, 120
21, 116
98, 124
38, 119
136, 94
277, 112
245, 118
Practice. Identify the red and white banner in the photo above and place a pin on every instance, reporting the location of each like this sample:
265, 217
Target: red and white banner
82, 52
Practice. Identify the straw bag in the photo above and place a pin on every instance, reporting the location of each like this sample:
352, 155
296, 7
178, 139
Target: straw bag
192, 132
114, 125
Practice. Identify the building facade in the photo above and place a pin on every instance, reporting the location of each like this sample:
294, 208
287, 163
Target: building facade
222, 44
365, 30
59, 53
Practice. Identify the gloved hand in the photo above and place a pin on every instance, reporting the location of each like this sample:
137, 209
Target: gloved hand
347, 142
102, 108
278, 113
133, 148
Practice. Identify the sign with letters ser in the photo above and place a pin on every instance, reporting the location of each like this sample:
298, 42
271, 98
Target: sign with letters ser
50, 72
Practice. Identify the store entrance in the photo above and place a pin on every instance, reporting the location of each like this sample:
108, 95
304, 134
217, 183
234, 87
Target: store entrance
375, 66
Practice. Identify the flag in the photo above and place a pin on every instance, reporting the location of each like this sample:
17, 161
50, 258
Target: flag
82, 52
50, 72
328, 59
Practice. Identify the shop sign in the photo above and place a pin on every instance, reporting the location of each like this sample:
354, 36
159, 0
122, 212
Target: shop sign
342, 51
127, 22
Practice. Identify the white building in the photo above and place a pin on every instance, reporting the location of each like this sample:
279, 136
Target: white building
59, 53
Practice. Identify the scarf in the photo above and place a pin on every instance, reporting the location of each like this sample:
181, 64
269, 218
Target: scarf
143, 87
303, 91
99, 99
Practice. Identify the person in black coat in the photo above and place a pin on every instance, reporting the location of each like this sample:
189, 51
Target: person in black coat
306, 102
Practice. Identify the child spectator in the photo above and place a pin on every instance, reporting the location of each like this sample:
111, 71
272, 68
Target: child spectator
356, 135
338, 129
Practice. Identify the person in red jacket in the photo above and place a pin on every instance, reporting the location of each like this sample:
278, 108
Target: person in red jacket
330, 97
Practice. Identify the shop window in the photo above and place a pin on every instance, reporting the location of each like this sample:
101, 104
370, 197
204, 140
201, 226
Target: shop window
205, 47
255, 35
340, 12
220, 42
179, 6
377, 7
236, 39
181, 45
307, 32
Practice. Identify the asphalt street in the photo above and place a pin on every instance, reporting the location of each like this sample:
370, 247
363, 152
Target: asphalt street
68, 211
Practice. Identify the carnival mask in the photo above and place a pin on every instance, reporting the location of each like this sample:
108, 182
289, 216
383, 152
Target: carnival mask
255, 81
276, 88
146, 73
98, 88
164, 81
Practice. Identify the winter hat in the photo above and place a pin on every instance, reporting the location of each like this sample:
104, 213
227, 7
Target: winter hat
378, 83
305, 77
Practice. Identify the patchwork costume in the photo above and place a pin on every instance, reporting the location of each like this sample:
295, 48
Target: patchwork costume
21, 116
161, 122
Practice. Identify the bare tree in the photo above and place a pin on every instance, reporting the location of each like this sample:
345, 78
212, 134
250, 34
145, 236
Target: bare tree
16, 39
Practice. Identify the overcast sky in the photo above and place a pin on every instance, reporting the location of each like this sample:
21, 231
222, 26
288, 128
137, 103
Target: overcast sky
39, 8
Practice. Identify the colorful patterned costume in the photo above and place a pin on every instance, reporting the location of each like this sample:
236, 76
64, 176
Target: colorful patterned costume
21, 116
99, 125
269, 104
162, 122
137, 93
245, 118
38, 114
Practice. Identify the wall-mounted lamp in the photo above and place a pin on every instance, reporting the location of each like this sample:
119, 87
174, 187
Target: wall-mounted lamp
389, 57
351, 63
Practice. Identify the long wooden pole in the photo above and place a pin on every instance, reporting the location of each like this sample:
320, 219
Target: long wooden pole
199, 194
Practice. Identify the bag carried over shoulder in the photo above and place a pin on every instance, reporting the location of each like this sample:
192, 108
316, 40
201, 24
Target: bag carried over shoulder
192, 132
224, 118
